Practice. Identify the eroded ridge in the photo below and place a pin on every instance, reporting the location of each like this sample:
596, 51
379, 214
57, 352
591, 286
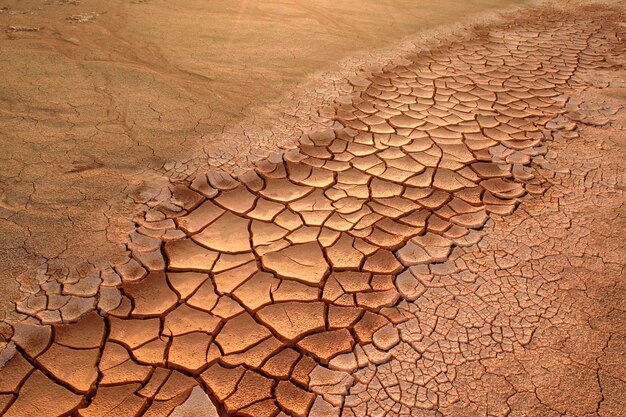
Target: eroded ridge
320, 283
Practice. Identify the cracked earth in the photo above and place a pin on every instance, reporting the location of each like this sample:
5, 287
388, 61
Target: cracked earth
452, 244
85, 153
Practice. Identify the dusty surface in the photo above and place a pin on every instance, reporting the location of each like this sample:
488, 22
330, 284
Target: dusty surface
454, 246
102, 100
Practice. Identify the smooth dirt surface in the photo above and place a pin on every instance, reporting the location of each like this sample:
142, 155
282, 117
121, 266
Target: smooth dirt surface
453, 245
102, 100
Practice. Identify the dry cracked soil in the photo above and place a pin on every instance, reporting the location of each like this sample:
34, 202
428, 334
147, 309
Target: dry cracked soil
434, 228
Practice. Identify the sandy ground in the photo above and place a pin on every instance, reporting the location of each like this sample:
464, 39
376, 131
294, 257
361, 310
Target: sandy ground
102, 100
451, 244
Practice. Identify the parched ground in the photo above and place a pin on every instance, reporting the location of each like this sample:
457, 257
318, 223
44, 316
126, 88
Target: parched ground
103, 103
452, 246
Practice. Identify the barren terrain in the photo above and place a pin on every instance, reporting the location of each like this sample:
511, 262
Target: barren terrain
102, 100
444, 238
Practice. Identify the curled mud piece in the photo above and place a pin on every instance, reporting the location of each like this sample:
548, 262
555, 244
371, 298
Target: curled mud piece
348, 277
